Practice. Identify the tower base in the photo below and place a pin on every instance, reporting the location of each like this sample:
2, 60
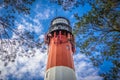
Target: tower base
60, 73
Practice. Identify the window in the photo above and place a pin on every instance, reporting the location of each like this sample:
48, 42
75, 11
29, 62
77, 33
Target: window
68, 47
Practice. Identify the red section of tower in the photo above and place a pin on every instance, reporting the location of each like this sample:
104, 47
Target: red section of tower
61, 48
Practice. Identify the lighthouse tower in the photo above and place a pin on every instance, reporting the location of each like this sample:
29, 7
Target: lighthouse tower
61, 47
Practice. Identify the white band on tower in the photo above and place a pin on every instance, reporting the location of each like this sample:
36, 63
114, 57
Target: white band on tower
60, 73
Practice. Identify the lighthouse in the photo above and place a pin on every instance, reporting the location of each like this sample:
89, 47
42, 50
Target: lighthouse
61, 47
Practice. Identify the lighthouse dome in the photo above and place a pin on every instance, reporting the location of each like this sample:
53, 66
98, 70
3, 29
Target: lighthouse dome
60, 23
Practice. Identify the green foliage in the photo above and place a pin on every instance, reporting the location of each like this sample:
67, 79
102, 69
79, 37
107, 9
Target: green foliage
104, 14
9, 11
69, 4
103, 19
10, 8
9, 47
20, 6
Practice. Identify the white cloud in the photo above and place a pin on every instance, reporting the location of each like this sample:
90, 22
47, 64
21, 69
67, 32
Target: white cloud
35, 25
41, 36
84, 68
45, 14
32, 64
44, 11
22, 65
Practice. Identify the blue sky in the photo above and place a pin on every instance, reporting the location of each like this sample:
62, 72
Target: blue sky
33, 68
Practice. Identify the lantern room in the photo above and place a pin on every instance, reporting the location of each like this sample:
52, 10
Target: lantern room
60, 23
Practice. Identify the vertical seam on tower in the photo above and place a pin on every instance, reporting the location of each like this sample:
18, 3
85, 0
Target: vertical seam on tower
55, 56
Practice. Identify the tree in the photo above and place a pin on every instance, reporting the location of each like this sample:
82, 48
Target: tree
8, 45
103, 18
98, 32
9, 10
68, 4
